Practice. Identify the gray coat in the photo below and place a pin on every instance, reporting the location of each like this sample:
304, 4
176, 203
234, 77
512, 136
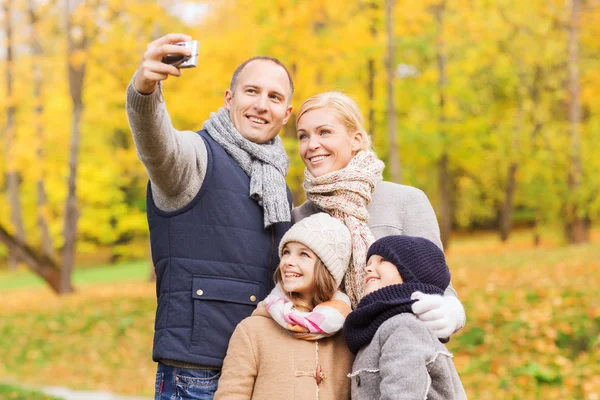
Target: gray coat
405, 361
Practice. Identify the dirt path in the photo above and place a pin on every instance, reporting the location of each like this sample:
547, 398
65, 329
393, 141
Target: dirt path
69, 394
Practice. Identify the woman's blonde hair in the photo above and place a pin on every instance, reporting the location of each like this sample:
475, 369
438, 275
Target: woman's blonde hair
344, 107
324, 287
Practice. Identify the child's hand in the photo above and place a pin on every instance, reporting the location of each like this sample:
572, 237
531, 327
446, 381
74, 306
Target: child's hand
443, 315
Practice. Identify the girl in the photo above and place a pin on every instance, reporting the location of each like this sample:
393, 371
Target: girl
291, 346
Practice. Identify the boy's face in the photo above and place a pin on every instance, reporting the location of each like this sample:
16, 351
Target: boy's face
379, 274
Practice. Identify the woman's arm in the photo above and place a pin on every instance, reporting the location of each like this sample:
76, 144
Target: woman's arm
240, 368
443, 315
419, 217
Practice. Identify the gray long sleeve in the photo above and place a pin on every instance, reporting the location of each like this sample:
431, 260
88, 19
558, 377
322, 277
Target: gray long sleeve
175, 161
421, 222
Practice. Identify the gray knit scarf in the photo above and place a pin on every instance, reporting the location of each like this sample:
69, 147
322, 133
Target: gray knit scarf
266, 165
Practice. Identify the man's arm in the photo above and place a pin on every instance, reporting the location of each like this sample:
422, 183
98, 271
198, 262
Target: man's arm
175, 161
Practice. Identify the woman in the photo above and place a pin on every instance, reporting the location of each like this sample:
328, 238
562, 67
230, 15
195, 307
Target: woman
343, 178
292, 347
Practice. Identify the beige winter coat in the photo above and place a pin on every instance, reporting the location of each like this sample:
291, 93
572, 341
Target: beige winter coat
264, 362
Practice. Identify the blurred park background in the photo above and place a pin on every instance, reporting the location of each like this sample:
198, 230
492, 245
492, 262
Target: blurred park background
492, 107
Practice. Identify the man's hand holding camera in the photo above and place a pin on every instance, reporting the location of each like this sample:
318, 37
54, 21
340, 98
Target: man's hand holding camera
163, 57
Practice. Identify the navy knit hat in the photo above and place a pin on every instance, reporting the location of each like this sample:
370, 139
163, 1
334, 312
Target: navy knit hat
418, 260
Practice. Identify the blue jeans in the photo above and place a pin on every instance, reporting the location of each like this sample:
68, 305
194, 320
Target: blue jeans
174, 383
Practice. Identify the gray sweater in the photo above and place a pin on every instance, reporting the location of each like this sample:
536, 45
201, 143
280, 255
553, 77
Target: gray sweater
174, 160
395, 210
405, 361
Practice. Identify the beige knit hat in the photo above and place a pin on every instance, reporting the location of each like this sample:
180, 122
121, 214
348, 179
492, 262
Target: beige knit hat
327, 237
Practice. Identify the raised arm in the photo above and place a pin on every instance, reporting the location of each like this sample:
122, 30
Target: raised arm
175, 161
239, 368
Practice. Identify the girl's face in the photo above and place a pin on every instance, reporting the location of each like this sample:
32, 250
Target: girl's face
298, 269
380, 273
326, 145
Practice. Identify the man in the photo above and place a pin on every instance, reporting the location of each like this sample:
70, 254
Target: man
217, 207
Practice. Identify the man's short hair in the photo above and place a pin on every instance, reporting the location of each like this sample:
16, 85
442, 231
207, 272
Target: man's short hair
239, 69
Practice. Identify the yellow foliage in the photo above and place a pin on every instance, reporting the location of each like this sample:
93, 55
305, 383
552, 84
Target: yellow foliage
505, 58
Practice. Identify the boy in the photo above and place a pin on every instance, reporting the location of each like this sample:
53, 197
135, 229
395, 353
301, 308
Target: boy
396, 355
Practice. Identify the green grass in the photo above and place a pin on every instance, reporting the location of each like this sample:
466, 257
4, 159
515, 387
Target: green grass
129, 271
8, 392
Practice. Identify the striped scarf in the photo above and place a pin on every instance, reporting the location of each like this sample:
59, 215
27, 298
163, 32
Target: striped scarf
344, 194
325, 320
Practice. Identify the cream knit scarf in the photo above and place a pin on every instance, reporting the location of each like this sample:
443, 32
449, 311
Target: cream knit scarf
266, 164
345, 194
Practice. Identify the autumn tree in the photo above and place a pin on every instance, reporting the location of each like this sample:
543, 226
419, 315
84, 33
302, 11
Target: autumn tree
576, 219
444, 178
47, 246
390, 64
498, 125
13, 178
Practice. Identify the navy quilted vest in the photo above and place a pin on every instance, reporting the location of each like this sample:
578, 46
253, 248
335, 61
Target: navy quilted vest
214, 262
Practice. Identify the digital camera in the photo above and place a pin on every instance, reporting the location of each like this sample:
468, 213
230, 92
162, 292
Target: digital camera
181, 61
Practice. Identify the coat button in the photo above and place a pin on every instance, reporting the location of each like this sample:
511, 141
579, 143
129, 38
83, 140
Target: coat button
319, 374
253, 298
357, 380
199, 292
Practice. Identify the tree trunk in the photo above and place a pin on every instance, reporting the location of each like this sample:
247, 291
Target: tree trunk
371, 97
446, 201
40, 264
443, 167
41, 198
536, 228
394, 154
507, 208
506, 212
71, 211
13, 178
576, 227
371, 76
76, 74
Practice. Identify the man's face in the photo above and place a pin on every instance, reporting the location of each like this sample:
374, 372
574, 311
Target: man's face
260, 105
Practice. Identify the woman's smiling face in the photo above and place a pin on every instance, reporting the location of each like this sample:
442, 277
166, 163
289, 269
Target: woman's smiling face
326, 145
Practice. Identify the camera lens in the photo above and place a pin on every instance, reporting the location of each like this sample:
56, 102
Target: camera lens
172, 59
